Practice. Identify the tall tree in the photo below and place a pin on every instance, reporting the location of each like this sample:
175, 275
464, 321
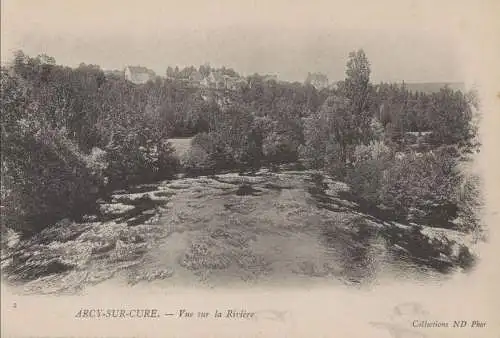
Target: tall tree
357, 89
170, 72
357, 82
348, 114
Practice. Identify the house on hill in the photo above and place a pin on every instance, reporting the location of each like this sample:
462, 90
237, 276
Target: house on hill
208, 81
138, 75
195, 78
214, 80
317, 80
218, 80
114, 73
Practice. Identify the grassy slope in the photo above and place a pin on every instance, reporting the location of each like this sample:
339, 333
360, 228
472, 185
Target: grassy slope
181, 145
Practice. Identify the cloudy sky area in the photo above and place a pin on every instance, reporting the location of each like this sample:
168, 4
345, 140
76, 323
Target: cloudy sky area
415, 41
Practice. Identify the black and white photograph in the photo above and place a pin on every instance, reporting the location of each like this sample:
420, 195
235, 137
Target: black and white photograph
216, 146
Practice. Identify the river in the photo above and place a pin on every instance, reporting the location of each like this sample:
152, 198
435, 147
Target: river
269, 228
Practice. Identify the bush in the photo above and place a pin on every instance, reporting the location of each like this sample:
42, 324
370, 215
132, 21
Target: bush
234, 142
280, 148
205, 142
366, 180
208, 152
132, 163
196, 159
469, 202
367, 173
167, 163
414, 187
51, 180
317, 147
425, 183
373, 151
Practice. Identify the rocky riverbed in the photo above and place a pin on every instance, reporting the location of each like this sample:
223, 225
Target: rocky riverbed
272, 228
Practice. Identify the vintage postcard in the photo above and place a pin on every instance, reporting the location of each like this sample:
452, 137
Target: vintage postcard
217, 168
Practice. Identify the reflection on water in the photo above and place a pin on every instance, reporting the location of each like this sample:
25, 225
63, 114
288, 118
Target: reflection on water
401, 244
355, 249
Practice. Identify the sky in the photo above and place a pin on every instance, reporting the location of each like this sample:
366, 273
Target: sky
414, 41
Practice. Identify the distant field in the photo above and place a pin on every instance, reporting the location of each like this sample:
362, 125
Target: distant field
431, 87
181, 145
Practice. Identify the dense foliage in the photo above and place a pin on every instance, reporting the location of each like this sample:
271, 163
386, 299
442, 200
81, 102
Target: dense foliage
69, 134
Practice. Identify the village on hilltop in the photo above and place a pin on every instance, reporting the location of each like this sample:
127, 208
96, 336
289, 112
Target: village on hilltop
210, 78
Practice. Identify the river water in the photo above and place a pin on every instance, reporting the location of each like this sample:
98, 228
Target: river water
287, 228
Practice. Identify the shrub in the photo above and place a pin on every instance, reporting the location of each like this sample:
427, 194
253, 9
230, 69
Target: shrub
425, 183
317, 146
373, 151
469, 202
367, 173
366, 180
50, 180
45, 176
166, 162
196, 159
414, 187
131, 162
205, 142
135, 145
233, 142
208, 152
280, 148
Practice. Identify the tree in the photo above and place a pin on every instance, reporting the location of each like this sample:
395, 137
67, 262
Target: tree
349, 119
56, 180
451, 117
341, 125
357, 82
313, 152
170, 72
205, 70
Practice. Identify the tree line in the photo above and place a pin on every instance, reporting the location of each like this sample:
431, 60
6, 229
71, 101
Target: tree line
71, 134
